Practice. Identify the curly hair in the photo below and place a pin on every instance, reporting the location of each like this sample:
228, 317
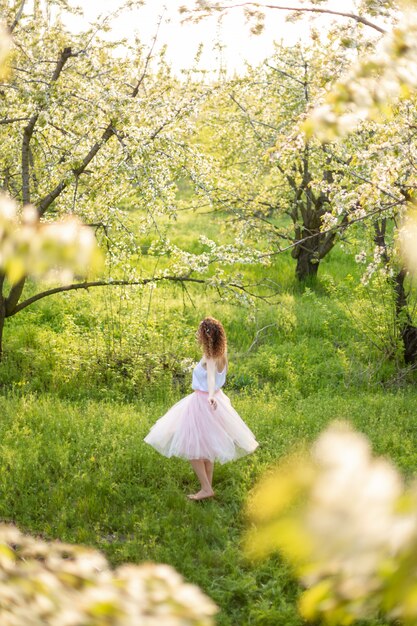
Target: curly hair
212, 338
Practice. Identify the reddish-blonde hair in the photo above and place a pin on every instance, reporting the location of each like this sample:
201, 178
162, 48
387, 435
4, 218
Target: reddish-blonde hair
212, 338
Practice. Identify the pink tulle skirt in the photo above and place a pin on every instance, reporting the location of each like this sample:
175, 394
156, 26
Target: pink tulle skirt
192, 429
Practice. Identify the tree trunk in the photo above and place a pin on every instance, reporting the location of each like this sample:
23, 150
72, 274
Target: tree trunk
307, 264
307, 253
408, 331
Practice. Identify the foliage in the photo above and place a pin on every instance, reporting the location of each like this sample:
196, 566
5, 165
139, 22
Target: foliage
29, 248
112, 139
375, 83
407, 240
348, 526
5, 45
92, 130
362, 72
131, 342
61, 584
72, 463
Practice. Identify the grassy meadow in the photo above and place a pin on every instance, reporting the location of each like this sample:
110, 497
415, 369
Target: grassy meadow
85, 375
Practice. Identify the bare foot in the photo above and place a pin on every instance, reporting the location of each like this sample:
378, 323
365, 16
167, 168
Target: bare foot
201, 495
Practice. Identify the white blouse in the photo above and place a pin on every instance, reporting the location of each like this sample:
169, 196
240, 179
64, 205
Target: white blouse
200, 382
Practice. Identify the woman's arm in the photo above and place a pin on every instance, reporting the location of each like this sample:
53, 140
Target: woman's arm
211, 381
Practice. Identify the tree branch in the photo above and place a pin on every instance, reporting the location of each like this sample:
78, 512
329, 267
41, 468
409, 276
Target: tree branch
18, 16
102, 283
358, 18
286, 74
359, 176
330, 238
47, 200
45, 203
28, 131
257, 335
12, 120
27, 136
147, 60
336, 229
14, 296
252, 122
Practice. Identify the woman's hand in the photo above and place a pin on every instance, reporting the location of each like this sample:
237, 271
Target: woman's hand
212, 402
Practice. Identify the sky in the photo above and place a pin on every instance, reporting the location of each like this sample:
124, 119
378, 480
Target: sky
233, 34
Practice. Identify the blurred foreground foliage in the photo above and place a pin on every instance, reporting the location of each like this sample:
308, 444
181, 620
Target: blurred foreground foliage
65, 585
347, 524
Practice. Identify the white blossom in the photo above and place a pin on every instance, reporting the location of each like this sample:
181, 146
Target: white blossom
347, 523
361, 257
329, 221
65, 585
29, 247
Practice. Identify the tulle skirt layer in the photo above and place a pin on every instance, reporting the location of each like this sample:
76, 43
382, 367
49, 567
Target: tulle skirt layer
192, 429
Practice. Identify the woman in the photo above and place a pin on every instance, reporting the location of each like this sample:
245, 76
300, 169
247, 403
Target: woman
203, 426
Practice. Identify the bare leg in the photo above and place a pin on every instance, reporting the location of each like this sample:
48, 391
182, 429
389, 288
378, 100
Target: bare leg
209, 465
206, 491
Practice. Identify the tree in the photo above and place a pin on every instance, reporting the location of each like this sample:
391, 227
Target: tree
364, 12
266, 176
307, 169
368, 173
88, 129
386, 165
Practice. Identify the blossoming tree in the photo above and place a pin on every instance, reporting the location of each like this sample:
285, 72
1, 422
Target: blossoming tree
93, 129
60, 584
315, 118
272, 183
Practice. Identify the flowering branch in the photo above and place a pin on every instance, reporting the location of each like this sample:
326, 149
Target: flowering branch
337, 228
358, 18
18, 16
141, 283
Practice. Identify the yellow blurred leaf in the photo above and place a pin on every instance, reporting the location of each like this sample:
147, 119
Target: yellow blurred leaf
286, 535
308, 129
281, 490
312, 598
5, 47
14, 269
407, 239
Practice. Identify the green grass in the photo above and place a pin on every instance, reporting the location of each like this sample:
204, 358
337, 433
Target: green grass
79, 471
